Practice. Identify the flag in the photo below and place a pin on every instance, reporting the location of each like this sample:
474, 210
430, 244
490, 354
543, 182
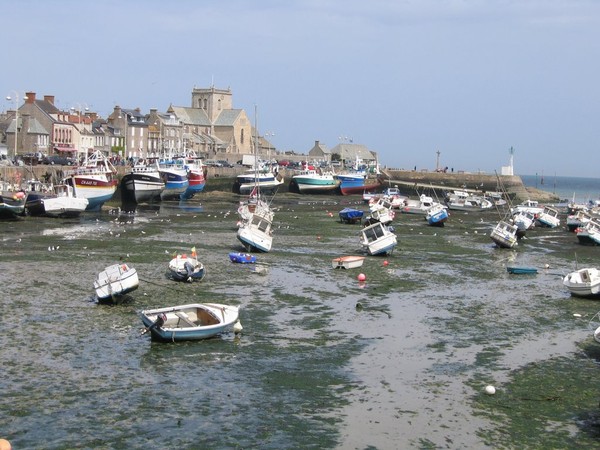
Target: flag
193, 252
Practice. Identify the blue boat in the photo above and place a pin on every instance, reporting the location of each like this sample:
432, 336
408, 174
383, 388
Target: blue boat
351, 215
242, 258
521, 270
437, 215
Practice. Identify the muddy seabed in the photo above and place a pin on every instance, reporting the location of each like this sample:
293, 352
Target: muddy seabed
324, 361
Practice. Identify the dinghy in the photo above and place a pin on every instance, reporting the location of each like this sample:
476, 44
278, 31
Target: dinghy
189, 322
115, 281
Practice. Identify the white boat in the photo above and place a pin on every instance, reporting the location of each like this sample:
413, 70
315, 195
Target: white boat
143, 183
583, 282
420, 206
256, 234
186, 268
589, 234
531, 206
253, 204
578, 219
60, 203
95, 180
190, 322
468, 203
504, 234
377, 239
347, 262
115, 281
548, 217
524, 220
267, 181
381, 211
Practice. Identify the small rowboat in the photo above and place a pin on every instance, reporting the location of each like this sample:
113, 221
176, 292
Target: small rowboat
190, 322
521, 270
186, 268
242, 258
347, 262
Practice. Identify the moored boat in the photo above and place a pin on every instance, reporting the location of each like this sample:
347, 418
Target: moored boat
59, 203
115, 281
521, 270
12, 205
196, 177
242, 258
347, 262
190, 322
310, 181
351, 215
174, 175
267, 181
504, 234
142, 184
186, 268
437, 215
377, 239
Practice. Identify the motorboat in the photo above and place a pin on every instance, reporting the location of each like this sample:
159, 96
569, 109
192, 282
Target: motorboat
548, 217
347, 262
378, 239
186, 268
60, 202
437, 215
504, 234
583, 282
190, 322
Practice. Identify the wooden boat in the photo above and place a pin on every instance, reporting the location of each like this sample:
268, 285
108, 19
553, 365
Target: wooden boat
186, 268
351, 215
242, 258
377, 239
189, 322
504, 234
583, 282
521, 270
115, 281
347, 262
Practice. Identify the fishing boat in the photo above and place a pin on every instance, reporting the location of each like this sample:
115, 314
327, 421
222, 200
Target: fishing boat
351, 215
504, 234
174, 175
242, 258
190, 322
61, 202
356, 183
115, 281
143, 183
381, 211
437, 215
347, 262
311, 181
521, 270
583, 282
377, 239
186, 268
95, 180
195, 175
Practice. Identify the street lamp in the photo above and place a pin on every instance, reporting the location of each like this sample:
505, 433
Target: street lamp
268, 135
16, 99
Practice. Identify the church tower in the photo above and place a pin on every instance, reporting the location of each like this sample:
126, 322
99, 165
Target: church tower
212, 100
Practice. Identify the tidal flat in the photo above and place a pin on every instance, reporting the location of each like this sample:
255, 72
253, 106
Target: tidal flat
323, 361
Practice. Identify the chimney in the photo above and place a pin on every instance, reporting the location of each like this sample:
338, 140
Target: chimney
30, 97
49, 99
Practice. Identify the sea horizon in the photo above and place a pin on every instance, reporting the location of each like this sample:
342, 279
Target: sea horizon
578, 189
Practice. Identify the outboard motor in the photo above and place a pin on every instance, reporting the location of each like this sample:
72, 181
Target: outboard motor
159, 322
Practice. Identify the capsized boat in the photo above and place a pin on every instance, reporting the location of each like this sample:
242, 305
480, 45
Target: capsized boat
583, 282
190, 322
115, 281
347, 262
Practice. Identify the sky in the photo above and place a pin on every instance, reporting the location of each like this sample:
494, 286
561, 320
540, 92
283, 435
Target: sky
469, 79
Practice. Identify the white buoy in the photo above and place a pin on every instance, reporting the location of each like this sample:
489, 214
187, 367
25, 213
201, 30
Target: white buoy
237, 327
576, 315
490, 390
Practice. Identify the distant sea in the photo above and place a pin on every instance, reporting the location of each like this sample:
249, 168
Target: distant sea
566, 188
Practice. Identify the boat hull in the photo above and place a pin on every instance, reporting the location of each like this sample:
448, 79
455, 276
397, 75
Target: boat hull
347, 262
141, 187
191, 322
115, 281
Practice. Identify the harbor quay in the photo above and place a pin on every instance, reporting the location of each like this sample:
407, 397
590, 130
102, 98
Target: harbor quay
410, 182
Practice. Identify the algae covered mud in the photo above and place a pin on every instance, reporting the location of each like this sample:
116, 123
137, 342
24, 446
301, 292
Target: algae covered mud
323, 361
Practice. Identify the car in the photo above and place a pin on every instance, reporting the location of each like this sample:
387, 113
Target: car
58, 160
224, 163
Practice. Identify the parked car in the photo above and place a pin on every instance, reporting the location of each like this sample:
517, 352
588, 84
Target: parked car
58, 160
212, 162
224, 163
